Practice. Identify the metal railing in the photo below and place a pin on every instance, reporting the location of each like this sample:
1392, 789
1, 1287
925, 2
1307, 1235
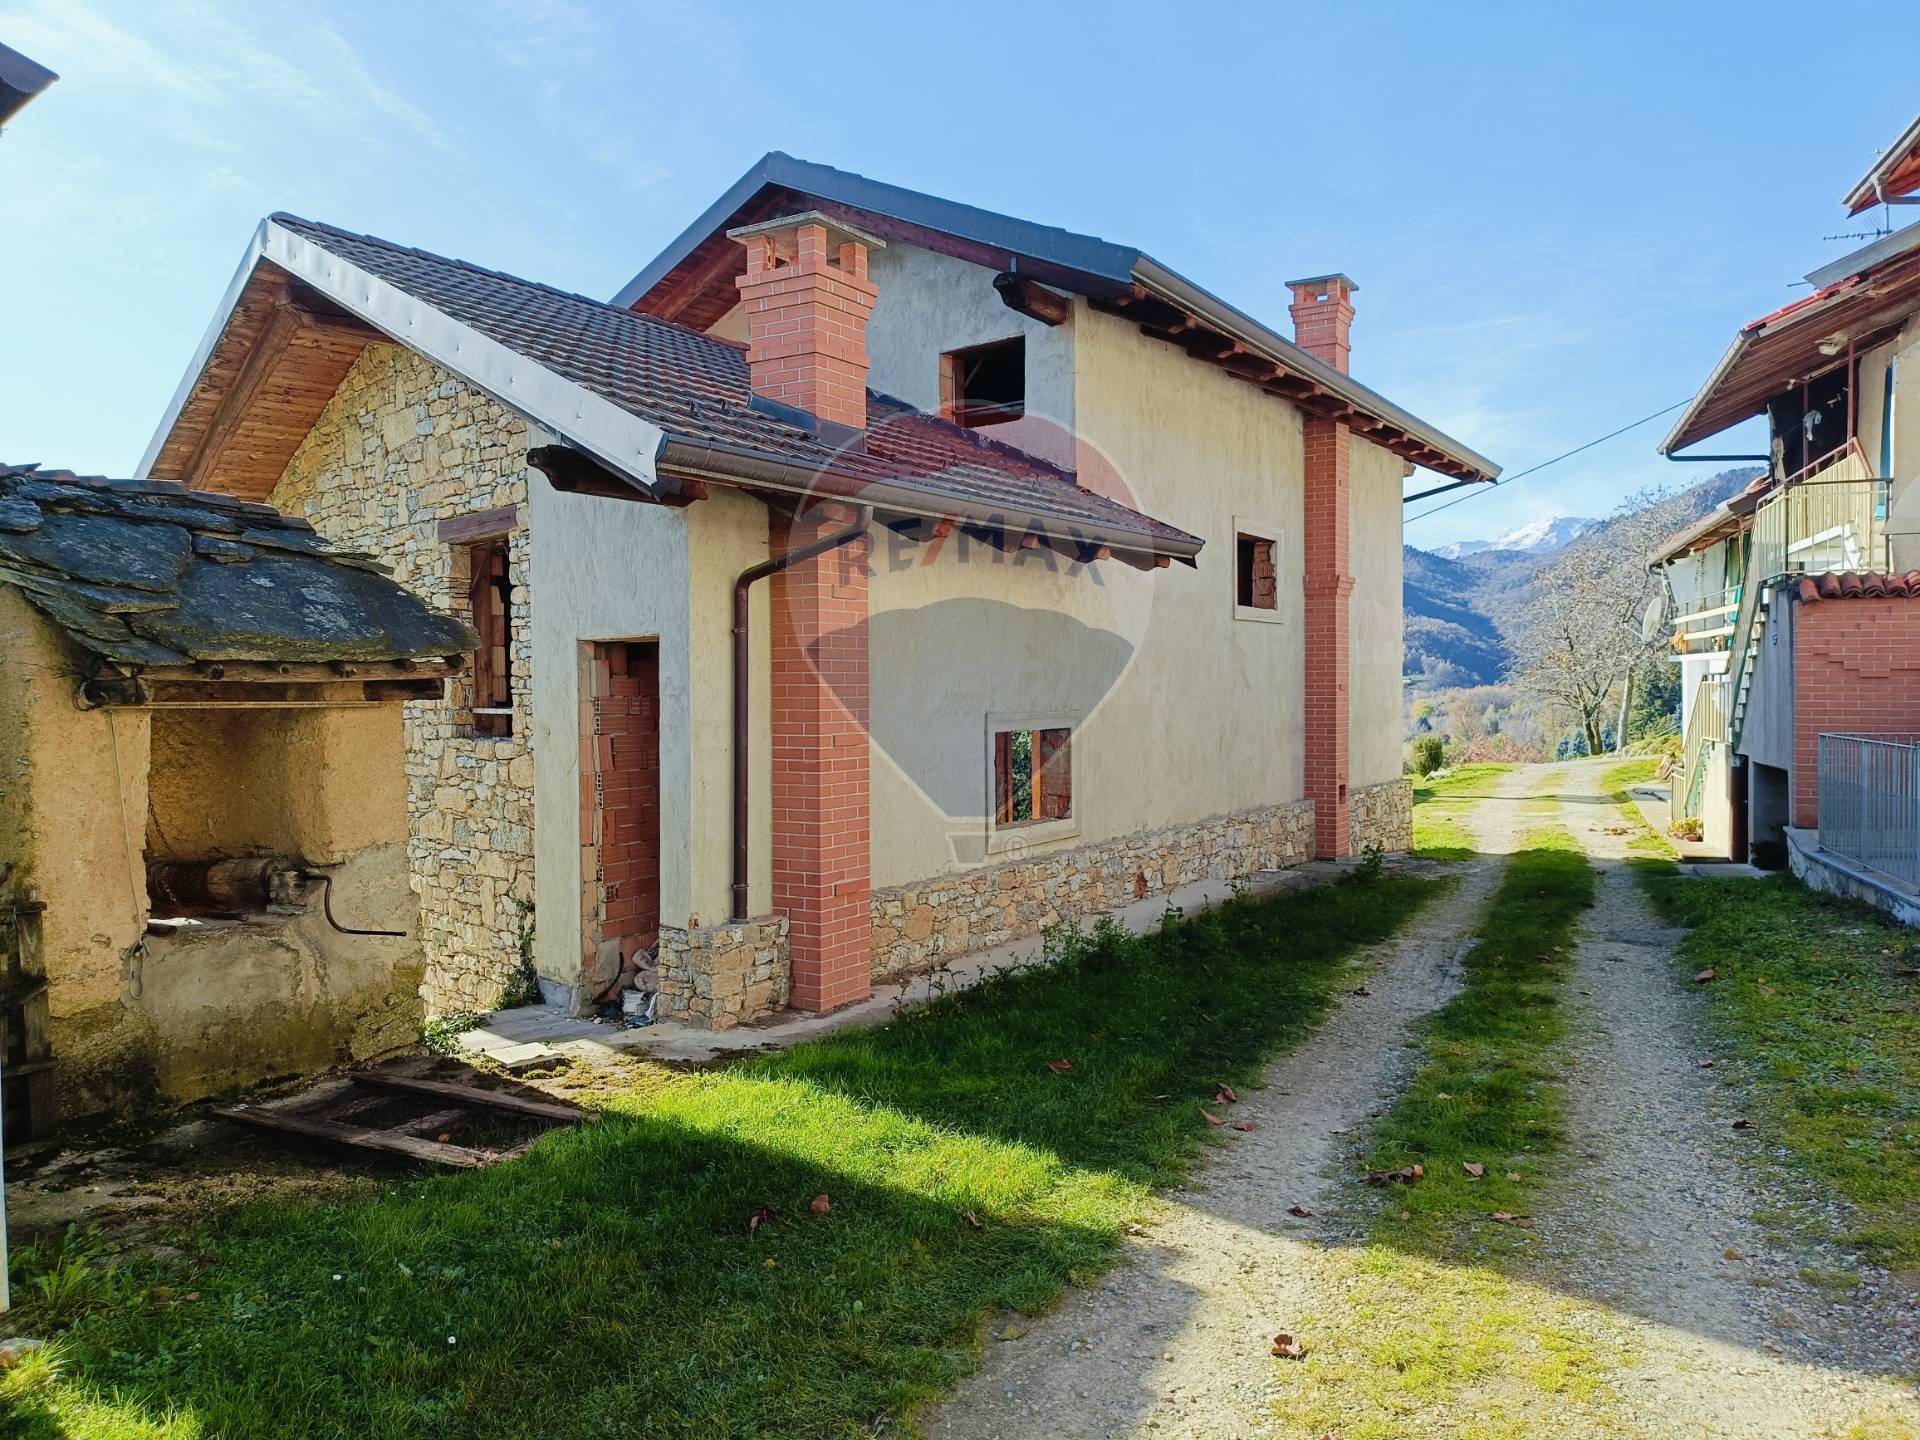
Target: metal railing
1870, 802
1706, 727
1830, 516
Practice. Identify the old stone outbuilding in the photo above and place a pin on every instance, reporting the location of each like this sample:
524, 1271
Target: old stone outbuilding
202, 794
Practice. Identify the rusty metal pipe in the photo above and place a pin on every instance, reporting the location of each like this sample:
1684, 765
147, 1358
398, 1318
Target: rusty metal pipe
742, 664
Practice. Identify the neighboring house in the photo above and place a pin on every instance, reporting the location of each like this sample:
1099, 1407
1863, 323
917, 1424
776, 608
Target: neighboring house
20, 80
200, 712
1795, 615
874, 580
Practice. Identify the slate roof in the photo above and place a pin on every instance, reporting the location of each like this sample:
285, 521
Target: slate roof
1853, 586
150, 573
696, 387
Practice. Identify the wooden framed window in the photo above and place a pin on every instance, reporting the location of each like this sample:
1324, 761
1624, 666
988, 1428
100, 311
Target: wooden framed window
490, 601
985, 384
1032, 776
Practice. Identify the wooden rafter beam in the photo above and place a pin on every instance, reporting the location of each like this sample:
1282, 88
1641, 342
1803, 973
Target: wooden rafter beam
268, 348
723, 264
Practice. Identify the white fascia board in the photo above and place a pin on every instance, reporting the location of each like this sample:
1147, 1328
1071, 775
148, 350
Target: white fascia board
621, 440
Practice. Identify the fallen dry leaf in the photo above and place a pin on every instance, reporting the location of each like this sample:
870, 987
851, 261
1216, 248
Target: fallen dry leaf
1288, 1348
1361, 991
1212, 1119
1473, 1168
1225, 1096
973, 1221
1503, 1217
1733, 1254
1241, 1125
1403, 1177
1704, 976
1743, 1124
1060, 1067
821, 1205
1299, 1212
760, 1216
1707, 1064
1135, 1228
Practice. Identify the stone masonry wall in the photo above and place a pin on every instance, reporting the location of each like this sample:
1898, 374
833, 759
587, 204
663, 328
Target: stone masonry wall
1381, 815
918, 925
402, 446
720, 975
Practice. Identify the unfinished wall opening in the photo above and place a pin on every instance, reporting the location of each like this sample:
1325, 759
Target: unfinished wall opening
1255, 585
985, 384
267, 793
620, 809
490, 678
1768, 815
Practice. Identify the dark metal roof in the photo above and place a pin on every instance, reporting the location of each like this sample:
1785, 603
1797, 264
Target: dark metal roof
696, 388
150, 573
1084, 264
1086, 255
20, 80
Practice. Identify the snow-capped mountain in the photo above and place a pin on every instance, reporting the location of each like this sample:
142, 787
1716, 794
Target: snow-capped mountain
1535, 538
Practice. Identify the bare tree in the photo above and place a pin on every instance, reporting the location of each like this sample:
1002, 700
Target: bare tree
1575, 628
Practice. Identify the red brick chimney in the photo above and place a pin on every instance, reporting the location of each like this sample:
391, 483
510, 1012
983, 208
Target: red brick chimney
808, 299
1322, 316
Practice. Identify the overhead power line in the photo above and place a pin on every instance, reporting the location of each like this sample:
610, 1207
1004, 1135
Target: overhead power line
1536, 469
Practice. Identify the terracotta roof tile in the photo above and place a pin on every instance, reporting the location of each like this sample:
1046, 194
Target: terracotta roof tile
1851, 585
695, 387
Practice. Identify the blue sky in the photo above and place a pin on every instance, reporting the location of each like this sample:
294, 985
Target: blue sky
1557, 215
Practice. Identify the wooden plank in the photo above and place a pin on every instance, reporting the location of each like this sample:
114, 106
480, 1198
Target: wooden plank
255, 372
414, 1148
480, 525
435, 1120
471, 1095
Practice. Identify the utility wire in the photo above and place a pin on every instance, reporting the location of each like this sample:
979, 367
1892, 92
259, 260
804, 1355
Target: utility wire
1535, 470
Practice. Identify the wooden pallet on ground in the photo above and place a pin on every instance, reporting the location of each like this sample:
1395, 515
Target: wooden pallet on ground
351, 1118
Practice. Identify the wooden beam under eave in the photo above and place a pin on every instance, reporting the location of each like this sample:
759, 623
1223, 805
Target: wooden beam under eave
336, 324
266, 353
725, 263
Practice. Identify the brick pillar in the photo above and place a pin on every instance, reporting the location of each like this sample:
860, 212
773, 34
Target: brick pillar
807, 300
821, 872
1329, 588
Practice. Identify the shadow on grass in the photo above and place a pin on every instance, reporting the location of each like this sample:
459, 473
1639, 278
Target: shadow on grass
612, 1281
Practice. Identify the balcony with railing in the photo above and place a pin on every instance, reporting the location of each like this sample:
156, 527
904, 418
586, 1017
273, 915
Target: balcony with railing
1832, 516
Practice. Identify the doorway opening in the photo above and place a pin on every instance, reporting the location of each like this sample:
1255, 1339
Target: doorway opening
621, 823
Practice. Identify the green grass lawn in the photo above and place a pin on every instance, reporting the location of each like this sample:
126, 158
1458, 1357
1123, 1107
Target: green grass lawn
1441, 803
612, 1283
1646, 841
1437, 1331
1819, 1000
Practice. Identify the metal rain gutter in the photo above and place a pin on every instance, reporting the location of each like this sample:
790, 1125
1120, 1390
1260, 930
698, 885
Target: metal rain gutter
731, 465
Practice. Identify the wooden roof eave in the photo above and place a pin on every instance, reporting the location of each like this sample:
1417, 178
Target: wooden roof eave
1160, 319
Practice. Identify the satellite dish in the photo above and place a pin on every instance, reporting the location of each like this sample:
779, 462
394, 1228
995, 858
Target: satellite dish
1655, 618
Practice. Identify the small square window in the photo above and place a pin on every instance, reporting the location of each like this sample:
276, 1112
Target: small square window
1255, 582
985, 385
1032, 776
490, 607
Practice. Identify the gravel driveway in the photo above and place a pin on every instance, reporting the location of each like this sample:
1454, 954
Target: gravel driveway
1651, 1215
1174, 1343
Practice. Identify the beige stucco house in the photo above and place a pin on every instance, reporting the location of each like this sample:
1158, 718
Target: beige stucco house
873, 580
